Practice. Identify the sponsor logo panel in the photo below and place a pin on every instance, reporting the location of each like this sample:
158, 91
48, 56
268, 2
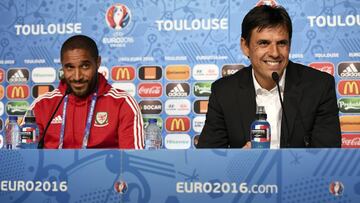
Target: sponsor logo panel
177, 124
2, 108
104, 71
150, 106
2, 75
17, 108
39, 90
150, 73
196, 140
349, 69
127, 87
349, 87
2, 140
350, 140
205, 72
326, 67
177, 107
177, 89
17, 91
177, 72
177, 141
201, 106
230, 69
202, 89
198, 123
122, 73
150, 90
18, 75
1, 126
43, 75
350, 123
118, 16
349, 105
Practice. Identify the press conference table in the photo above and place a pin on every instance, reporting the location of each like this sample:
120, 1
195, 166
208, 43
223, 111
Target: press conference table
291, 175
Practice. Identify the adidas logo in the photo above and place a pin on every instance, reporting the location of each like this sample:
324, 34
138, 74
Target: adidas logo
178, 91
350, 71
56, 120
18, 76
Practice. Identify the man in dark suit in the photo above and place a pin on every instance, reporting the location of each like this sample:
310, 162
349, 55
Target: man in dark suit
309, 95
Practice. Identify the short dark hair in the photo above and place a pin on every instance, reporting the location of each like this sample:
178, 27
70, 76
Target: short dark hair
265, 16
80, 42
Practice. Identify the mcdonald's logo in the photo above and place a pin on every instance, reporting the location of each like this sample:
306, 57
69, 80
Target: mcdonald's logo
349, 87
17, 91
122, 73
177, 124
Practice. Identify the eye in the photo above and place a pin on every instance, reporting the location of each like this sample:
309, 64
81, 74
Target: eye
263, 43
284, 43
85, 66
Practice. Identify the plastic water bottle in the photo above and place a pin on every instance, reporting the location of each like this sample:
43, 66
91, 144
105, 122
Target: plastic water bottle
152, 135
12, 131
260, 132
29, 135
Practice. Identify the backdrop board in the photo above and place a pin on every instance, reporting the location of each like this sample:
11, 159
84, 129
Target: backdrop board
167, 53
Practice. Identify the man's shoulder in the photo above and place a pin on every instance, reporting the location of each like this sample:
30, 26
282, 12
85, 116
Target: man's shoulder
115, 93
48, 97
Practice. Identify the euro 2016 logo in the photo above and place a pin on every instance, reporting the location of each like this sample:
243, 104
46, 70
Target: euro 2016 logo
118, 16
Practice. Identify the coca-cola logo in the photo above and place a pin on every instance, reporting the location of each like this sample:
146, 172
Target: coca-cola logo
351, 142
150, 90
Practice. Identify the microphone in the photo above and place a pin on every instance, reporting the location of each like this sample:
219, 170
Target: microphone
275, 77
41, 141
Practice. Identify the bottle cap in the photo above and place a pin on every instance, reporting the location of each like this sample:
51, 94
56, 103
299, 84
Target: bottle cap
260, 110
13, 118
152, 120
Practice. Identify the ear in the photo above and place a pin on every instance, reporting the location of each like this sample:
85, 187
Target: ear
98, 62
244, 47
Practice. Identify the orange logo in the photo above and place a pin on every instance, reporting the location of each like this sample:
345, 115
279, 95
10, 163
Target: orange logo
177, 72
17, 91
2, 92
120, 73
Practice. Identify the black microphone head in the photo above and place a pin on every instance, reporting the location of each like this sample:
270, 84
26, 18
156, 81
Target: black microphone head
68, 90
275, 76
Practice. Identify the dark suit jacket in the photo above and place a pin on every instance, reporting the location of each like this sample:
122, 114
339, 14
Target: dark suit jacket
310, 105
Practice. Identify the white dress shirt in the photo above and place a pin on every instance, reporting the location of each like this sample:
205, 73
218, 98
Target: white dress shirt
270, 100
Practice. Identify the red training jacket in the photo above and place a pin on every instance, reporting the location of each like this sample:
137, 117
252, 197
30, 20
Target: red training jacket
116, 123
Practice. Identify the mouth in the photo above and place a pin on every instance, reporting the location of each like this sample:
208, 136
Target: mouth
77, 85
272, 63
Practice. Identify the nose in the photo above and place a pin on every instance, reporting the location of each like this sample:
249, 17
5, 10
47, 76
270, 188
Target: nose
274, 51
77, 74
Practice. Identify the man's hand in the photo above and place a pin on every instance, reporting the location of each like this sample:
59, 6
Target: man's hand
247, 145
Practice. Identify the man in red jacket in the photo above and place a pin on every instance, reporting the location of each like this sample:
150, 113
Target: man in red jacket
92, 113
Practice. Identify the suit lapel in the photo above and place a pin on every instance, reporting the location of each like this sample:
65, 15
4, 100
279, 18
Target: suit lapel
292, 98
246, 100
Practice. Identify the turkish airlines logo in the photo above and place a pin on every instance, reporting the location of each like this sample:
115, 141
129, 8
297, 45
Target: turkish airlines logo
349, 69
150, 90
198, 123
118, 16
122, 73
350, 141
177, 72
230, 69
2, 75
150, 107
349, 87
326, 67
150, 73
177, 89
18, 75
39, 90
17, 91
201, 106
177, 124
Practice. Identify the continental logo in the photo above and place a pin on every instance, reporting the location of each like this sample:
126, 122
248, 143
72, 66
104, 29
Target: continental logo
177, 72
17, 108
177, 124
230, 69
150, 106
39, 90
150, 73
18, 75
122, 73
17, 91
202, 89
349, 69
201, 106
349, 87
326, 67
350, 123
2, 92
349, 105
